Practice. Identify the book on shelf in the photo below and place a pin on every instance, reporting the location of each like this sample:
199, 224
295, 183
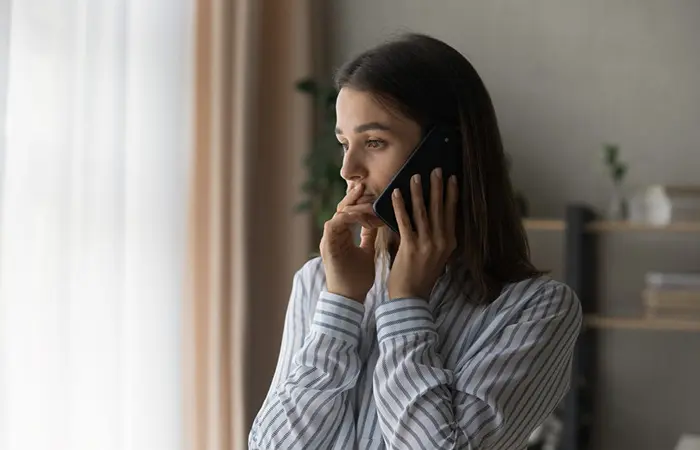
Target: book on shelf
672, 303
673, 295
673, 280
685, 203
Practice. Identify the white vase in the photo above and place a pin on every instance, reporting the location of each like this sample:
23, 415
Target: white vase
617, 206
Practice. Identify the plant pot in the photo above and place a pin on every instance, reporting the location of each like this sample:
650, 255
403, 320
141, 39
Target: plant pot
617, 205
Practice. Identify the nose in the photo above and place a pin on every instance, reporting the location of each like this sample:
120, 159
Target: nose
354, 168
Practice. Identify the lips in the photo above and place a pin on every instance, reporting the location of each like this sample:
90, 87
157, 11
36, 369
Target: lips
367, 197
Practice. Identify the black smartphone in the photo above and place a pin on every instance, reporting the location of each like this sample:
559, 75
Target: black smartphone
440, 147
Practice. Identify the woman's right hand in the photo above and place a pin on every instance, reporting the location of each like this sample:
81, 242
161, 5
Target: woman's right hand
350, 268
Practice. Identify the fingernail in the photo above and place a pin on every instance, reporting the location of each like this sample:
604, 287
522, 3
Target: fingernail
453, 179
396, 193
438, 173
416, 178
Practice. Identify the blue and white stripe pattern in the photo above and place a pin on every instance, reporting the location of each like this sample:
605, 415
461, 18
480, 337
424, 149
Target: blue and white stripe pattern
411, 373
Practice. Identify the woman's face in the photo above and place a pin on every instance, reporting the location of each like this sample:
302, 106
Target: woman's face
376, 141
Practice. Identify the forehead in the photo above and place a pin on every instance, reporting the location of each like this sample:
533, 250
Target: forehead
355, 107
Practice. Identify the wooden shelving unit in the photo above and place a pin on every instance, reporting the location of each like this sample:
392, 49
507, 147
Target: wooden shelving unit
641, 323
582, 232
544, 224
601, 226
611, 226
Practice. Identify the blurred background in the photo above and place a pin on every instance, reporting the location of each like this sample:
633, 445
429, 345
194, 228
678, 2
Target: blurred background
166, 165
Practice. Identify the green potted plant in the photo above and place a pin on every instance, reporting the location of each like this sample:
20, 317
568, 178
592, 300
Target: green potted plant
617, 207
324, 187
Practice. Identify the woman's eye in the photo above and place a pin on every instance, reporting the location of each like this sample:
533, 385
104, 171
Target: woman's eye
375, 143
370, 143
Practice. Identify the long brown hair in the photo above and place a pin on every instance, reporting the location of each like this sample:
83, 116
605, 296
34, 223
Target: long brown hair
430, 82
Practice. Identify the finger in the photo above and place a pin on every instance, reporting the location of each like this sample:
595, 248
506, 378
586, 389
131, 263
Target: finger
333, 231
351, 197
340, 222
343, 221
451, 212
436, 202
363, 220
371, 221
365, 208
402, 219
337, 235
420, 216
367, 215
368, 237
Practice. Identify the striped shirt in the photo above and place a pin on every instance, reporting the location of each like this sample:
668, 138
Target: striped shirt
410, 373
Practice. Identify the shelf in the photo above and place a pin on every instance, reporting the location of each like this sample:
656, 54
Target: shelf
600, 226
680, 227
641, 323
544, 224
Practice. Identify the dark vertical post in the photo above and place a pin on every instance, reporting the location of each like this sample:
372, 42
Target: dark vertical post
581, 275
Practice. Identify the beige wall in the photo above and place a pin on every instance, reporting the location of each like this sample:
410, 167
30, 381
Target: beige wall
565, 77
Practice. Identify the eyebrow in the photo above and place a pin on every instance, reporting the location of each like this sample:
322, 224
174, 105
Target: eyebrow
366, 127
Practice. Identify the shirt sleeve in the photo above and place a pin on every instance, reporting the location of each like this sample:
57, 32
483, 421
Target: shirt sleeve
495, 398
307, 405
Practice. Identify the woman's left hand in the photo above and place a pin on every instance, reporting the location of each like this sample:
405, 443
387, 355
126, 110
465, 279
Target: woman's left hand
423, 252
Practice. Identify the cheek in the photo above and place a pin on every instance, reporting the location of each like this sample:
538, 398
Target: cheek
389, 166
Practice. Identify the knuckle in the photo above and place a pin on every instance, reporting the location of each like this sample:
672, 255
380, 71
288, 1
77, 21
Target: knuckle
330, 225
426, 247
440, 244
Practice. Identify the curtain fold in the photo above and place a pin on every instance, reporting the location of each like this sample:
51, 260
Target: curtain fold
92, 223
245, 242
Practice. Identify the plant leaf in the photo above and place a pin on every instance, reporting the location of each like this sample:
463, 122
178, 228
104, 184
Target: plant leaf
307, 85
303, 206
611, 153
619, 172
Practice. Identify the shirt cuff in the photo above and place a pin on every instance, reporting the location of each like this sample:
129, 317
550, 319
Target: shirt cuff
403, 316
339, 317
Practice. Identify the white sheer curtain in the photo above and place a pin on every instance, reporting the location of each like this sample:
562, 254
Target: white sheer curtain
92, 222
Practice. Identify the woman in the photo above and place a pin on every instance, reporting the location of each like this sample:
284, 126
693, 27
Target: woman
464, 344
